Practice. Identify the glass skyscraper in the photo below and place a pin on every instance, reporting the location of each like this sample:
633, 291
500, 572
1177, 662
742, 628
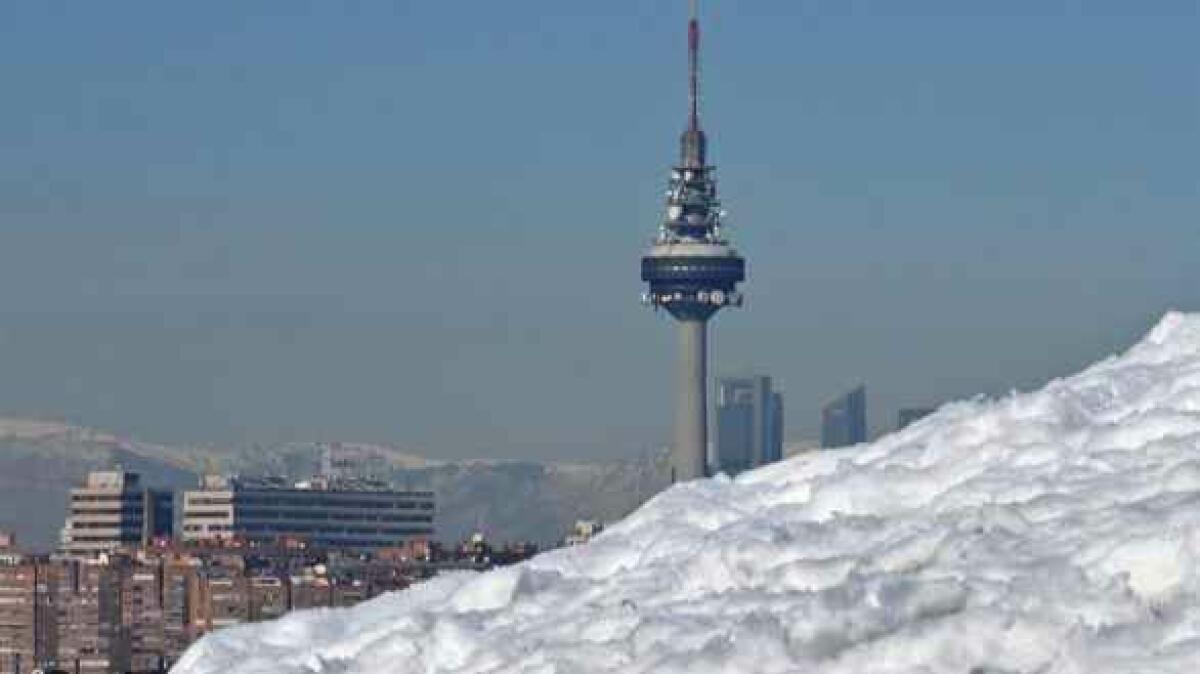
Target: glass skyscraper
844, 421
749, 424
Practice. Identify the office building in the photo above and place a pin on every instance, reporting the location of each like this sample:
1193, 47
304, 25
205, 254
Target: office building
325, 513
749, 424
911, 414
844, 421
113, 510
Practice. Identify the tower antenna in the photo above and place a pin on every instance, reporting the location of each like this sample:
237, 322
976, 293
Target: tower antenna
694, 146
694, 66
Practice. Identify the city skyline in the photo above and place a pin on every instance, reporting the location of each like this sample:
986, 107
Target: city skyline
229, 227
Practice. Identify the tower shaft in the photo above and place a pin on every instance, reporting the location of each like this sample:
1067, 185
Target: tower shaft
689, 452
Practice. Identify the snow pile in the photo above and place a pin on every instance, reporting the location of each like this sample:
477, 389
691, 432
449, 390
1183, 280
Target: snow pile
1055, 531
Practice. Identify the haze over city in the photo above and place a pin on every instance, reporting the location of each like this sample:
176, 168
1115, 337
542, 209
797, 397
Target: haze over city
419, 223
675, 337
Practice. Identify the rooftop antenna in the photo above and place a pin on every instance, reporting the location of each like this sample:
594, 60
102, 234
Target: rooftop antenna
694, 144
694, 66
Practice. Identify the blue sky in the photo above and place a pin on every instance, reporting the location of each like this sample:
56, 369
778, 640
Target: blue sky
419, 222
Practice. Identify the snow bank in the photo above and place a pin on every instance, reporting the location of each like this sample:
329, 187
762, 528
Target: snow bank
1055, 531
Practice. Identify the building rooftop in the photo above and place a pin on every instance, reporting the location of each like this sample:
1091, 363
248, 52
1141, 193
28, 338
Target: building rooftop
112, 479
319, 483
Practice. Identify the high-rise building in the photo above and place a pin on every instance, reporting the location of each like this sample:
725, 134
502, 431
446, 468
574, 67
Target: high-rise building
180, 580
749, 424
844, 421
347, 514
143, 614
908, 415
113, 510
693, 272
91, 637
27, 620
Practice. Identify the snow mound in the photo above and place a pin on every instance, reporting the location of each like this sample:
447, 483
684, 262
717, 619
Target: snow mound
1055, 531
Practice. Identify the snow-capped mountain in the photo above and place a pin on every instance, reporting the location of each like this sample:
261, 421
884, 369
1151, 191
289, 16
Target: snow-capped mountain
506, 500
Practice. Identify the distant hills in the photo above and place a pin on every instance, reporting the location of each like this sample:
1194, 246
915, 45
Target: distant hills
507, 500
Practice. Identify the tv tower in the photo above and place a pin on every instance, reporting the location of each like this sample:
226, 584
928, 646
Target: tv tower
693, 272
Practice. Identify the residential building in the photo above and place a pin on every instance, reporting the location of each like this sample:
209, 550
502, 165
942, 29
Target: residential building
333, 514
27, 621
92, 639
113, 510
749, 424
180, 581
844, 421
268, 597
144, 613
138, 610
308, 590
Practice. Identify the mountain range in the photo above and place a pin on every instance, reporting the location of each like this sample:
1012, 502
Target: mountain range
505, 500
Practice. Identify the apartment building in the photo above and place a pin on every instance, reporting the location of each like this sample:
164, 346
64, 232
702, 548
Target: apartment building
27, 626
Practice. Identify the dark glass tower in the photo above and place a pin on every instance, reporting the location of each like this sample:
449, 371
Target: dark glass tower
844, 421
749, 424
692, 272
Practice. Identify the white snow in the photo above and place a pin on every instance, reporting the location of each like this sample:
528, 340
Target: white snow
1054, 531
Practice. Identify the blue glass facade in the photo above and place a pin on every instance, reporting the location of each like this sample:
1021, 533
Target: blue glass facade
844, 421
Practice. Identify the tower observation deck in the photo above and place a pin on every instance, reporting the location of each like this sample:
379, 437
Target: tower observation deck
692, 272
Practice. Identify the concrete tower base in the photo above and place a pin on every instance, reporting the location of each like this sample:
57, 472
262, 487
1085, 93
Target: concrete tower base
689, 453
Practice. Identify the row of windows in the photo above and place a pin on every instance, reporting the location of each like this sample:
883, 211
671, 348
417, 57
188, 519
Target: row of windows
209, 500
331, 500
84, 538
247, 513
93, 498
106, 525
115, 510
206, 513
305, 529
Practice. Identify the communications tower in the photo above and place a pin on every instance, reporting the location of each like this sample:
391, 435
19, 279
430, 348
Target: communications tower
693, 272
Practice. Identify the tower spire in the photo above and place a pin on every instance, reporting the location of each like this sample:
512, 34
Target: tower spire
694, 66
693, 145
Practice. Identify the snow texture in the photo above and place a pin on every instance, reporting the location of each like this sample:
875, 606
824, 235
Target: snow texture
1054, 531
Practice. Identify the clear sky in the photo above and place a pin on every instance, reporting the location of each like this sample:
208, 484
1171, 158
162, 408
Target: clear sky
420, 222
